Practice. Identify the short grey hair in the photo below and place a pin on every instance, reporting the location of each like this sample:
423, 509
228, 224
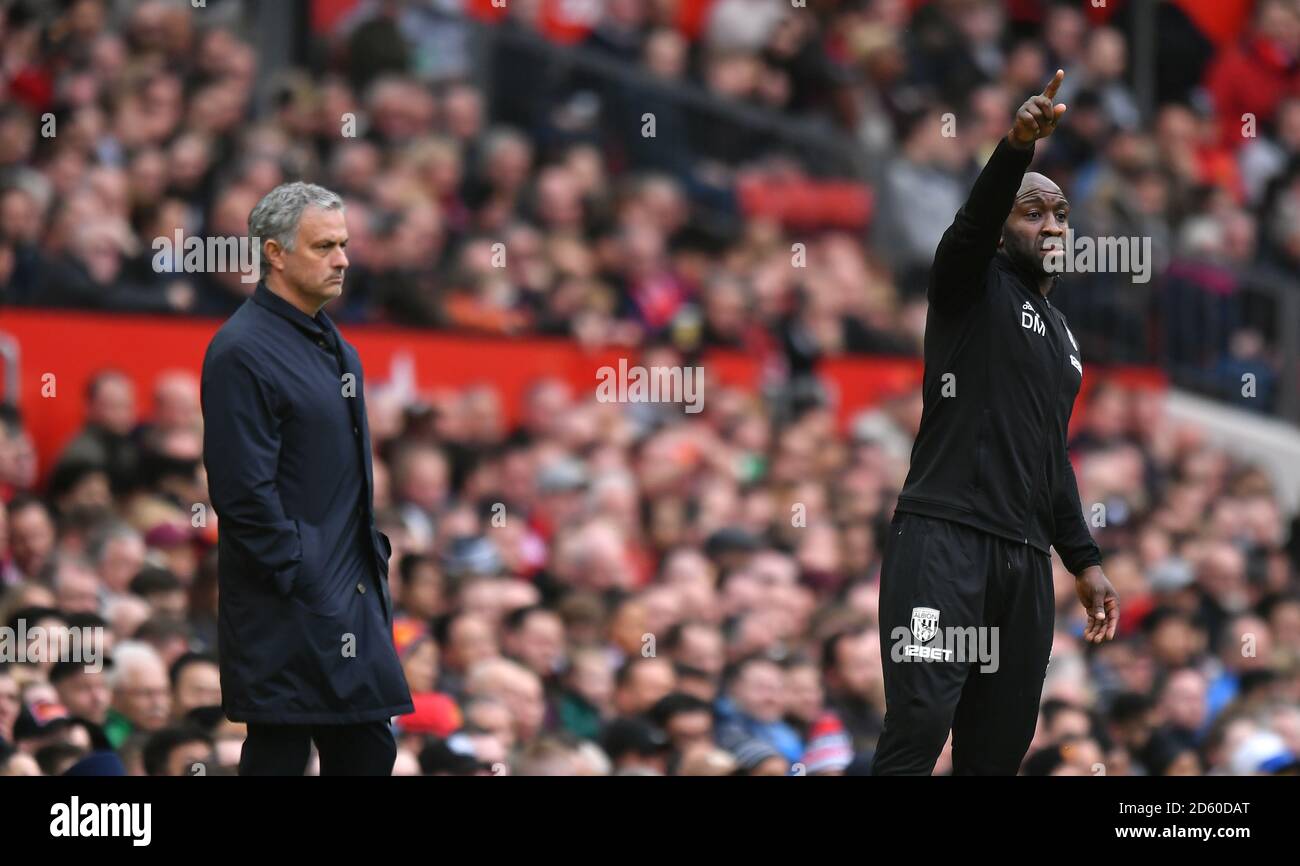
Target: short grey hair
130, 656
97, 545
277, 215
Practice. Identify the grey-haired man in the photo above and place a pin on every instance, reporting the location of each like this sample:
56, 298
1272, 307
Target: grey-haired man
305, 619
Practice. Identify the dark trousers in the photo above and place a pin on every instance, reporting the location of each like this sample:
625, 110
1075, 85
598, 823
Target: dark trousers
366, 749
938, 577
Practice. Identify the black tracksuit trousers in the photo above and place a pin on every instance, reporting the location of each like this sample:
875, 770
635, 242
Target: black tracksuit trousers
985, 685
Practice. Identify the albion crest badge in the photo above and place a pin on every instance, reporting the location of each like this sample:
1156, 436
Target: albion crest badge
925, 623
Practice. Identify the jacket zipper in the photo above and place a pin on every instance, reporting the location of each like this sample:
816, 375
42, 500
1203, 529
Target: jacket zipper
1056, 393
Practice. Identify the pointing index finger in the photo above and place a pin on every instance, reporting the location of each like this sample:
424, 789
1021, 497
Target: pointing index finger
1050, 90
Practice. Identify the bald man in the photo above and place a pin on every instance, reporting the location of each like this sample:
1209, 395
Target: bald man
966, 596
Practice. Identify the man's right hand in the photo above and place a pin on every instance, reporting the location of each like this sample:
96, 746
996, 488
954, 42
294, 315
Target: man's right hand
1037, 118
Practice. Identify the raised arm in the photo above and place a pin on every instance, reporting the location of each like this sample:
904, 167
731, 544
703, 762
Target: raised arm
962, 258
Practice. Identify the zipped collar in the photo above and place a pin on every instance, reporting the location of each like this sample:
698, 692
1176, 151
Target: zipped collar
1027, 280
316, 327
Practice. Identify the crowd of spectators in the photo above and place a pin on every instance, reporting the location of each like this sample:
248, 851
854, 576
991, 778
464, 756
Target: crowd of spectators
128, 122
605, 588
600, 590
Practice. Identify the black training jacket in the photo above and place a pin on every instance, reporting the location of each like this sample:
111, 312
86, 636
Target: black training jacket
1001, 373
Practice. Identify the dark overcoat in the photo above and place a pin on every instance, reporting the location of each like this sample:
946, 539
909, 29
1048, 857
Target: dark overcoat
305, 618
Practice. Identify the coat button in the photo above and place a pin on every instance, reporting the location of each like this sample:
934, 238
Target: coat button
361, 588
320, 343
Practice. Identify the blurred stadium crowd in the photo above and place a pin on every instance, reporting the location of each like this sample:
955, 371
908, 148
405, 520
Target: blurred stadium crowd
625, 588
155, 133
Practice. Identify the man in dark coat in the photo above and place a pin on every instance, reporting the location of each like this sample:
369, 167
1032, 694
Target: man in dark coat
305, 618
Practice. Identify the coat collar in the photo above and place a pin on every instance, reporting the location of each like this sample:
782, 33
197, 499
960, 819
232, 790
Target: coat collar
1027, 280
321, 324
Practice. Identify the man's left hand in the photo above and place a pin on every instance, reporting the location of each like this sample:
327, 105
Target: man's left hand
1100, 602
